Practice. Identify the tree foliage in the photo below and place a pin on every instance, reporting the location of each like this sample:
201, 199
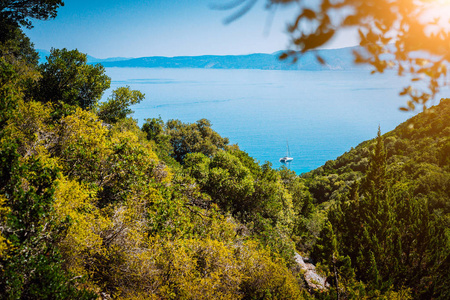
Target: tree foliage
392, 219
185, 138
408, 36
20, 12
31, 265
97, 213
67, 77
118, 104
171, 211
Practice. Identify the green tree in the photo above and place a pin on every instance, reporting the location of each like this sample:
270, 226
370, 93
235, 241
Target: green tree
32, 266
118, 104
9, 92
154, 128
376, 174
21, 11
17, 13
223, 177
18, 64
18, 46
194, 137
67, 77
156, 132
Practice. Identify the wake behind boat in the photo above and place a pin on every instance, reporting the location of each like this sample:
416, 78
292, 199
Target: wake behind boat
287, 158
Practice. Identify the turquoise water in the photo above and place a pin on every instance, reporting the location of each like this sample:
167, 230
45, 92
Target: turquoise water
322, 114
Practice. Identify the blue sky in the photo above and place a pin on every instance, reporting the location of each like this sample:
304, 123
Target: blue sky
136, 28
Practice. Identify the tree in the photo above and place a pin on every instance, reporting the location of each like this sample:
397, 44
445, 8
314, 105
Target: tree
391, 35
376, 173
155, 131
224, 178
19, 47
19, 12
194, 137
153, 127
31, 267
67, 77
117, 105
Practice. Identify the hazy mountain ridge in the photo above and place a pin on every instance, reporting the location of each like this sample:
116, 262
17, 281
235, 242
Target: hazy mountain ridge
335, 59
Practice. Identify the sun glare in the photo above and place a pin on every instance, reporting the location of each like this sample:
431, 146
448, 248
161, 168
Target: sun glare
437, 9
442, 6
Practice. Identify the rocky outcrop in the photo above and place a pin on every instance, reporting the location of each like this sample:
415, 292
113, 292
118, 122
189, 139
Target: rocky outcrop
313, 279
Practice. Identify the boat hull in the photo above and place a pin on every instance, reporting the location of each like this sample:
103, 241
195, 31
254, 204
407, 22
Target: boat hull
286, 159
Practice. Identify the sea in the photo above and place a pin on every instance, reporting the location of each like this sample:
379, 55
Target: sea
319, 114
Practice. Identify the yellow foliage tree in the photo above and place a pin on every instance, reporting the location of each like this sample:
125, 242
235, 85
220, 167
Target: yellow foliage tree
4, 210
75, 204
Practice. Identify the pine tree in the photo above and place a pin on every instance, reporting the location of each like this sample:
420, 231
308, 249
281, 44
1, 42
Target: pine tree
376, 175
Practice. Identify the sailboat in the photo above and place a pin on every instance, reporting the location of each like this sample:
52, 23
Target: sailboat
287, 158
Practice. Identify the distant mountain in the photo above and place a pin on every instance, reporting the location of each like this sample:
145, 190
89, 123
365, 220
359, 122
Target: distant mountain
336, 59
92, 60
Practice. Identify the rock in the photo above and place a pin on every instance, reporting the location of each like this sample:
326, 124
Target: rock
312, 278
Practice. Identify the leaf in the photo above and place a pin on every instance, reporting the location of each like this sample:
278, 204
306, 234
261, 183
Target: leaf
405, 91
283, 56
316, 40
320, 60
351, 20
309, 14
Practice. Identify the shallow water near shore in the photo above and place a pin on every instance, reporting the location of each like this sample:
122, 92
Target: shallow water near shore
322, 114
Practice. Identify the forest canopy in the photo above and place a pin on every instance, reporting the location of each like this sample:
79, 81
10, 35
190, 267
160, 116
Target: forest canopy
92, 206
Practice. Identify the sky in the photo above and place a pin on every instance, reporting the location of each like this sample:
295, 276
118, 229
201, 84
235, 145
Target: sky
138, 28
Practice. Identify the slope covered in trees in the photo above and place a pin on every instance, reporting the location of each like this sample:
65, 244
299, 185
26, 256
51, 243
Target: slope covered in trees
92, 206
413, 150
388, 214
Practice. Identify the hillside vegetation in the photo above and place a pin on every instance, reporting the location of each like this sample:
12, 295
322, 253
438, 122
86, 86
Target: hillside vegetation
388, 208
92, 206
